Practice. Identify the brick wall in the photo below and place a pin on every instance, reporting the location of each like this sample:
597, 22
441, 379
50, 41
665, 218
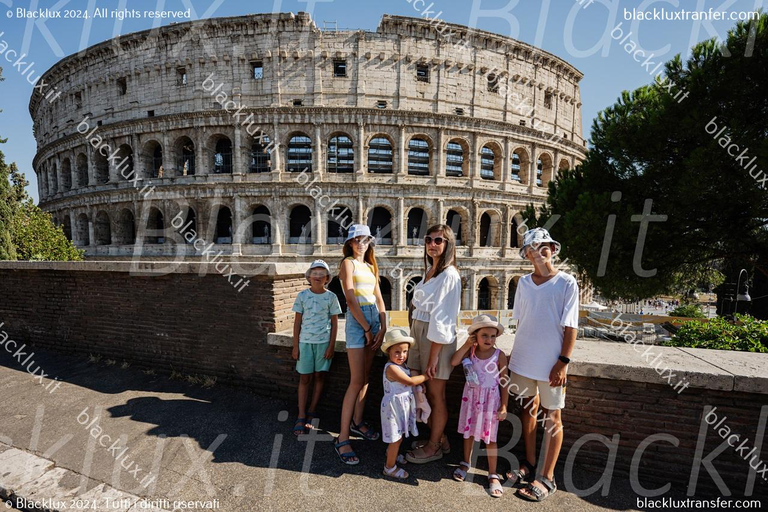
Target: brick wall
200, 324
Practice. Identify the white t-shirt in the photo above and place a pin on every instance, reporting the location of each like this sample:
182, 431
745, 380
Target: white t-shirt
437, 301
542, 313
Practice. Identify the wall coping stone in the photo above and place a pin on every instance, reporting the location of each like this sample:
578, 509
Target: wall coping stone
145, 267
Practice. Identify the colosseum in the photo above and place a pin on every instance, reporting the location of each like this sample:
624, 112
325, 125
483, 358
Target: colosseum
266, 136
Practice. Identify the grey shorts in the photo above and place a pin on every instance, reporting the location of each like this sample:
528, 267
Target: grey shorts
418, 355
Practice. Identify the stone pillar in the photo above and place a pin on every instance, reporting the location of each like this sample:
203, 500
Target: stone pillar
201, 156
361, 153
276, 156
504, 291
473, 291
320, 218
474, 228
401, 154
238, 227
168, 164
137, 160
440, 212
91, 239
440, 154
401, 220
59, 183
237, 154
276, 230
506, 162
360, 213
506, 221
474, 159
318, 150
532, 170
91, 165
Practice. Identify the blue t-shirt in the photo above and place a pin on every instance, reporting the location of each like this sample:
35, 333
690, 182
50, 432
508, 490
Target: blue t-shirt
316, 310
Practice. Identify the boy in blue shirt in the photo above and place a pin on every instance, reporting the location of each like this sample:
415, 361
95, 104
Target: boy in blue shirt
314, 339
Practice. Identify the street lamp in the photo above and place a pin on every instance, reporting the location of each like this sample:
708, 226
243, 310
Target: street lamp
741, 296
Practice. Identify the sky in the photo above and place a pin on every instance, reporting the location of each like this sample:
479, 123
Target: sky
592, 35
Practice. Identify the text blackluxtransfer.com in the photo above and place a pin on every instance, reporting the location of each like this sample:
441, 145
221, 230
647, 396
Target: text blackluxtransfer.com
690, 503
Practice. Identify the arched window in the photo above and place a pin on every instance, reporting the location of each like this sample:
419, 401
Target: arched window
102, 231
83, 234
418, 157
380, 156
185, 157
223, 233
454, 221
189, 227
102, 167
299, 154
490, 162
67, 227
153, 159
484, 295
222, 157
454, 159
155, 227
124, 162
262, 226
485, 230
339, 220
385, 287
260, 155
341, 155
300, 225
417, 226
410, 286
513, 235
515, 168
511, 290
66, 174
126, 228
380, 222
54, 181
82, 170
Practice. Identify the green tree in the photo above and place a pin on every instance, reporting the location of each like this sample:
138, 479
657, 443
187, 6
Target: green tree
651, 150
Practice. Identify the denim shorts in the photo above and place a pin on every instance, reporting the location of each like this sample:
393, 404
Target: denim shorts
355, 332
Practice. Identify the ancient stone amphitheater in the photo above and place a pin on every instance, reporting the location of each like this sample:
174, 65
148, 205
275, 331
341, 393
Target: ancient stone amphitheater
267, 136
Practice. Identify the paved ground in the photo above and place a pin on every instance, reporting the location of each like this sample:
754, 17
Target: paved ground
219, 443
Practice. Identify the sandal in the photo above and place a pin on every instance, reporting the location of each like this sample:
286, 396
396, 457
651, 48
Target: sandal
516, 475
346, 458
419, 456
460, 474
446, 446
369, 434
494, 486
300, 427
311, 416
395, 472
535, 493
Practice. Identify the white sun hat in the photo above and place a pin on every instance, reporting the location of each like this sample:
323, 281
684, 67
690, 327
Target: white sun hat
535, 238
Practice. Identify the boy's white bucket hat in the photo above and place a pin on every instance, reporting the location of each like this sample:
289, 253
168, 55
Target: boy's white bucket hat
356, 230
394, 337
318, 264
481, 321
536, 237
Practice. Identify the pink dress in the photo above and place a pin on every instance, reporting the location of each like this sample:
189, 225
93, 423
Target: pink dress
480, 404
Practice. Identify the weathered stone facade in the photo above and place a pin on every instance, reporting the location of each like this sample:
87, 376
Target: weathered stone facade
267, 137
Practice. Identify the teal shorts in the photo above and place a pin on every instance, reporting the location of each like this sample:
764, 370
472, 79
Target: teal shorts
312, 358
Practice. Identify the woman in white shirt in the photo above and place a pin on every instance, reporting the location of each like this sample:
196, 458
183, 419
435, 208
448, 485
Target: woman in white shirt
435, 310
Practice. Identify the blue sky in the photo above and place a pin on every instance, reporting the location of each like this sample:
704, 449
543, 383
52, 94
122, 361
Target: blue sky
577, 32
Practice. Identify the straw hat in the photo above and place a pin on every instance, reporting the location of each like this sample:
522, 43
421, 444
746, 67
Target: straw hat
394, 337
481, 321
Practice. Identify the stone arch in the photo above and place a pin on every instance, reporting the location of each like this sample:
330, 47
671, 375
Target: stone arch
490, 235
381, 224
298, 152
125, 166
491, 159
456, 218
420, 155
487, 293
417, 224
520, 164
81, 162
66, 226
543, 169
300, 225
516, 231
152, 159
564, 165
125, 232
66, 174
381, 154
261, 225
385, 287
224, 226
54, 180
184, 156
102, 229
340, 156
339, 219
221, 162
155, 226
511, 290
457, 157
101, 165
81, 227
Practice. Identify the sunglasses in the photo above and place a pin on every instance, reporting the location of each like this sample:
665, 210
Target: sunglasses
362, 240
438, 240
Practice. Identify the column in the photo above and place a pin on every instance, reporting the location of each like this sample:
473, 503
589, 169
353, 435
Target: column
238, 153
238, 227
91, 165
136, 158
201, 158
473, 291
532, 170
360, 213
361, 153
401, 231
401, 155
276, 156
319, 228
168, 167
440, 154
474, 229
114, 173
91, 240
506, 220
276, 230
474, 165
505, 162
318, 162
440, 212
59, 182
504, 292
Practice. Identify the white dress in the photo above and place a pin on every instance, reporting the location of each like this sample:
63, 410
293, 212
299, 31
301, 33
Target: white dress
398, 409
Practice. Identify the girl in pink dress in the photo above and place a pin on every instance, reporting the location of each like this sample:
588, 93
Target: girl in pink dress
484, 401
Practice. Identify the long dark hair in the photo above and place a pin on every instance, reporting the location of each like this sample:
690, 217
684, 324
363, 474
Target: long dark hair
448, 257
369, 256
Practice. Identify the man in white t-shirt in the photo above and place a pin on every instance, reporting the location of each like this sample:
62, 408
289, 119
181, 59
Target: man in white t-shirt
547, 313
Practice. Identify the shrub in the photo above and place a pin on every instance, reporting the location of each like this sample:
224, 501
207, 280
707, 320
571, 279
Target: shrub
746, 334
688, 311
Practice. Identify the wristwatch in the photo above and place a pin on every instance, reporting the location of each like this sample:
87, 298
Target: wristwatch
564, 359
